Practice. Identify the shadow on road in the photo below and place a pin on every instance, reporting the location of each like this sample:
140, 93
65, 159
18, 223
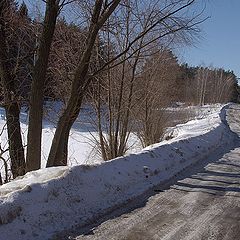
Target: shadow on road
218, 178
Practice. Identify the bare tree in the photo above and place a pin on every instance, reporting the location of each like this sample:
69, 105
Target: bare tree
157, 91
33, 160
116, 98
118, 88
221, 85
58, 153
4, 159
11, 101
202, 79
214, 85
101, 12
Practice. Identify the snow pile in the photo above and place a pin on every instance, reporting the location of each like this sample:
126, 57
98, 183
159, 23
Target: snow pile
47, 201
206, 118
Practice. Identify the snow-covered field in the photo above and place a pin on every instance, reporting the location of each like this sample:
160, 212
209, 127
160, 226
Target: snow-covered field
47, 201
81, 146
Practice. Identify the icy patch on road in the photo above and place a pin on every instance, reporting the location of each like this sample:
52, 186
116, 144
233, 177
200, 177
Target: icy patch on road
47, 201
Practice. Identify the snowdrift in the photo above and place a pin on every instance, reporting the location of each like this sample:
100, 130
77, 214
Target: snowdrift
47, 201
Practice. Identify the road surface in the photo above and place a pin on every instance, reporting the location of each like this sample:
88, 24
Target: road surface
204, 205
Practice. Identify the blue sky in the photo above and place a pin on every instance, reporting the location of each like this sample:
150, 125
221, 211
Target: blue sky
219, 42
220, 38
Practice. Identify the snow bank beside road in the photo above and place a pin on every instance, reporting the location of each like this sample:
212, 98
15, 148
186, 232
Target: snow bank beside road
37, 209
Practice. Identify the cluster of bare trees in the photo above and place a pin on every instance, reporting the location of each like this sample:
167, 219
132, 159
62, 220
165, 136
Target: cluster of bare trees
67, 48
107, 52
206, 85
129, 92
157, 91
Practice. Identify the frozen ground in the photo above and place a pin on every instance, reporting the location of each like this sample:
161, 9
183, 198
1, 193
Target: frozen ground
48, 201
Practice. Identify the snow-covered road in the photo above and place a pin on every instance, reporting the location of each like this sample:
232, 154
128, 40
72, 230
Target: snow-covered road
203, 205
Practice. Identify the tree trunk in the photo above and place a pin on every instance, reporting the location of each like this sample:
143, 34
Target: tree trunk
100, 130
11, 106
33, 160
124, 133
59, 149
16, 150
